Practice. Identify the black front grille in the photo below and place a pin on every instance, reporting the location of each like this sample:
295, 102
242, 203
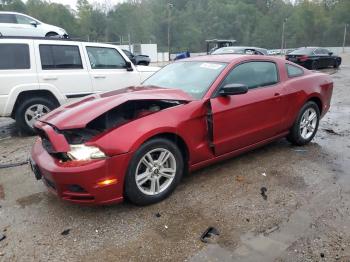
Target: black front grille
47, 145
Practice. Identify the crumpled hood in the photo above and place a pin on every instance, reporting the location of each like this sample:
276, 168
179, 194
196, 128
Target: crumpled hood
79, 114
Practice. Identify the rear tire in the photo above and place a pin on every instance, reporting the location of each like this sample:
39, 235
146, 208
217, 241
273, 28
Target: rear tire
305, 126
31, 109
51, 34
314, 65
336, 64
149, 181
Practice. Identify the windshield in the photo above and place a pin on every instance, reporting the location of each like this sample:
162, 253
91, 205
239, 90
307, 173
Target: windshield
303, 51
194, 78
228, 50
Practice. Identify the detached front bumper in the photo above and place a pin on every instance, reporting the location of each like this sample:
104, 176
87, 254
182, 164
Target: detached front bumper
82, 183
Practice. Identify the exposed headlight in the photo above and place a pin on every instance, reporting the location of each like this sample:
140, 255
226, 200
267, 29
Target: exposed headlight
83, 152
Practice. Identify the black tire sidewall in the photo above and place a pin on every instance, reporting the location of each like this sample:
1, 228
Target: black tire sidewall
295, 136
131, 190
21, 109
314, 65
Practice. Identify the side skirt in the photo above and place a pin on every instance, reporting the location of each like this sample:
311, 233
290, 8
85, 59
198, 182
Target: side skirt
236, 152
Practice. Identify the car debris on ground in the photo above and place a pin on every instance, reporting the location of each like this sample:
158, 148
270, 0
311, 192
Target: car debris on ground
263, 191
209, 234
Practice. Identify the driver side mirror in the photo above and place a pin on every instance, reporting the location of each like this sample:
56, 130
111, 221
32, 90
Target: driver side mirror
330, 53
33, 23
128, 66
233, 89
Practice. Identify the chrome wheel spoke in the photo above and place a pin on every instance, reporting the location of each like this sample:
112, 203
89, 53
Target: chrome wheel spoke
166, 175
163, 157
312, 116
142, 178
146, 162
40, 109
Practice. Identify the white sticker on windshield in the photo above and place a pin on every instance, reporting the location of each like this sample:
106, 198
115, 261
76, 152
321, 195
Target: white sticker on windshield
211, 66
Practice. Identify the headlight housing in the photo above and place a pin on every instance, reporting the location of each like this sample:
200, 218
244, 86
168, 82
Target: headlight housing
83, 152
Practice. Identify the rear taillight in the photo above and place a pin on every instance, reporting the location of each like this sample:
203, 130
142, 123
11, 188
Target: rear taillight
303, 58
286, 57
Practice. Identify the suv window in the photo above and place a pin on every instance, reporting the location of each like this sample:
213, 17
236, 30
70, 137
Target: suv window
294, 71
105, 58
21, 19
55, 57
8, 18
14, 56
253, 74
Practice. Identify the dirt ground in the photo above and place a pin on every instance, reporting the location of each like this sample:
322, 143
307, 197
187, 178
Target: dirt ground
305, 216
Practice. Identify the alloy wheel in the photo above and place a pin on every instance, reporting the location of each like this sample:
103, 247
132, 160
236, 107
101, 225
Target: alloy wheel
34, 112
308, 123
155, 171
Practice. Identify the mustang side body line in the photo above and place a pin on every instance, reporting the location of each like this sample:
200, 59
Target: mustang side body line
136, 143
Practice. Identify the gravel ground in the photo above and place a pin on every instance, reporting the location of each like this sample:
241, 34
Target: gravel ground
304, 218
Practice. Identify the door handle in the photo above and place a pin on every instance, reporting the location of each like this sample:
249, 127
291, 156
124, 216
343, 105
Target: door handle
50, 78
276, 94
100, 77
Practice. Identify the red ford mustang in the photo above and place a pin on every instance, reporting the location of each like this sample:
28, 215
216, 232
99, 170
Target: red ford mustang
136, 143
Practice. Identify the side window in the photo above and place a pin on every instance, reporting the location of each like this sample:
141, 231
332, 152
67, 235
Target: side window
21, 19
14, 56
253, 74
294, 71
105, 58
325, 51
318, 51
8, 18
55, 57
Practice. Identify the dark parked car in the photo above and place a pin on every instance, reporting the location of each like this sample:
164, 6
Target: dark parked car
137, 59
314, 58
247, 50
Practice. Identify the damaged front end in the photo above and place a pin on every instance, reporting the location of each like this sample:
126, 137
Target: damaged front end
72, 144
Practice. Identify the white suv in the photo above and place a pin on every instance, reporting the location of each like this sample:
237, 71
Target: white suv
17, 24
38, 75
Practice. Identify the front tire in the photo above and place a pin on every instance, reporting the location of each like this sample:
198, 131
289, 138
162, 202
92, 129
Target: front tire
305, 127
154, 172
30, 110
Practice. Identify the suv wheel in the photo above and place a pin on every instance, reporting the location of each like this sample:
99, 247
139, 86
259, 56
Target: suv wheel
305, 127
154, 171
30, 110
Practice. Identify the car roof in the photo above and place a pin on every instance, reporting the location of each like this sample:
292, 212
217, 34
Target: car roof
229, 58
9, 12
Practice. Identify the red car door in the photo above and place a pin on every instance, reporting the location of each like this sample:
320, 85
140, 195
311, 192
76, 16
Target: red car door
243, 120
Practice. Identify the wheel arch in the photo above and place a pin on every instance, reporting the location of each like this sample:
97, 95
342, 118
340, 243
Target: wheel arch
318, 102
177, 140
33, 93
50, 32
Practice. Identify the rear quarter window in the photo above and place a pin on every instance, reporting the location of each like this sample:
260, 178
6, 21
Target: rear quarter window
294, 71
14, 56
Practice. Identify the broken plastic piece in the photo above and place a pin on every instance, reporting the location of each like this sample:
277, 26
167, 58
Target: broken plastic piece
207, 234
65, 232
263, 191
2, 237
